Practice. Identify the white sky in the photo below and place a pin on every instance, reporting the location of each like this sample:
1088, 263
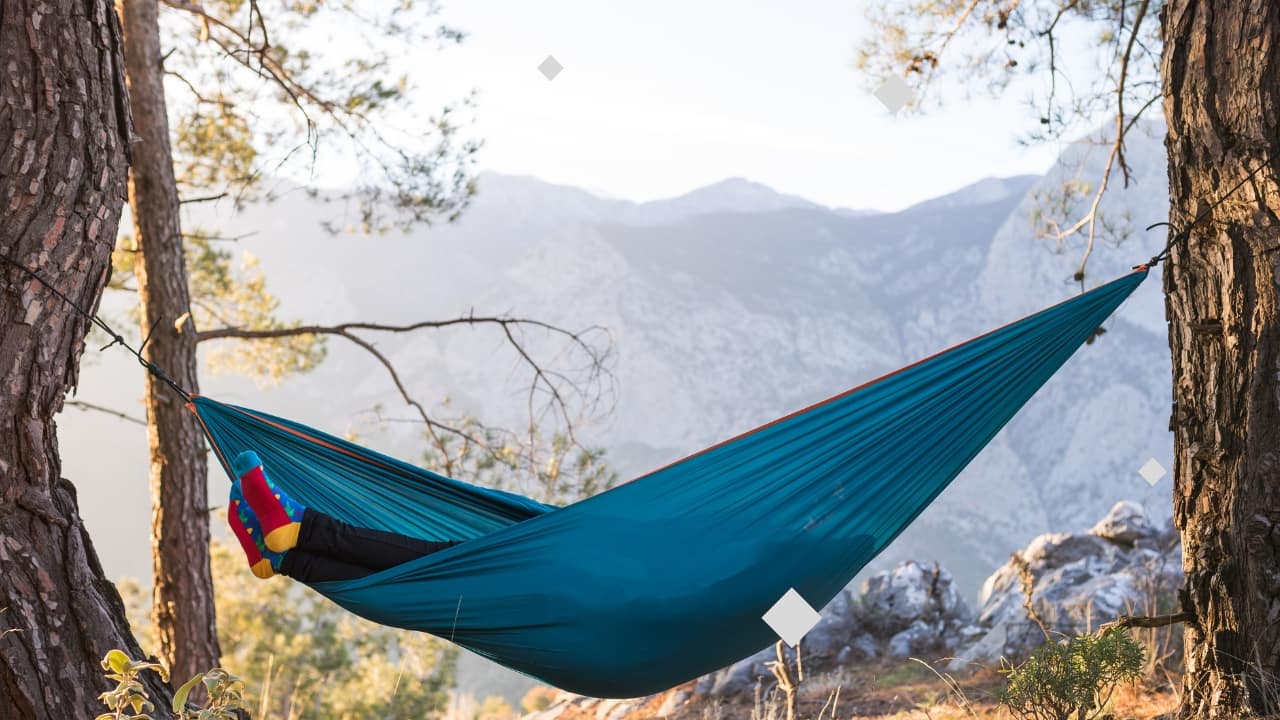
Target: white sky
660, 97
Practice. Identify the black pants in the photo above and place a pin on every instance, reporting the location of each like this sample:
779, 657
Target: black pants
329, 549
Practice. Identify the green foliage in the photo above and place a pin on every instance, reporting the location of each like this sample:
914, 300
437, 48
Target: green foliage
128, 699
225, 694
254, 89
903, 673
539, 697
306, 657
223, 295
214, 147
980, 46
1072, 679
310, 658
1080, 62
495, 708
258, 88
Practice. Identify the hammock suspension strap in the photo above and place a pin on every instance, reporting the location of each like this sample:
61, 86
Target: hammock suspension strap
116, 338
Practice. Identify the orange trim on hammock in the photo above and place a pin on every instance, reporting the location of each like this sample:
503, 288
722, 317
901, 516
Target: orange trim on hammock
850, 391
212, 443
722, 443
312, 438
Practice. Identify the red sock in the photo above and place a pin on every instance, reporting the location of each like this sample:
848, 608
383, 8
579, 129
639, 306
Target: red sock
260, 566
279, 530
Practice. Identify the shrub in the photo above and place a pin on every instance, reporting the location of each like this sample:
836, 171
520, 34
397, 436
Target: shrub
304, 656
539, 697
494, 707
129, 699
1072, 679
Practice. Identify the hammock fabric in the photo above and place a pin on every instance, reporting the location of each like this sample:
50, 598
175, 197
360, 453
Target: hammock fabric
666, 577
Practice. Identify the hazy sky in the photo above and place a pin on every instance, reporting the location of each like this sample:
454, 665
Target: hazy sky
660, 97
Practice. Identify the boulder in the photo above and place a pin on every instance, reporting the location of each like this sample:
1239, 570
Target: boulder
863, 647
919, 637
840, 620
895, 600
1127, 523
1122, 565
1060, 549
986, 649
744, 674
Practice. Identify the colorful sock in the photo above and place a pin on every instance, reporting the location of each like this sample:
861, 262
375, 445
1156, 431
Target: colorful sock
244, 525
279, 514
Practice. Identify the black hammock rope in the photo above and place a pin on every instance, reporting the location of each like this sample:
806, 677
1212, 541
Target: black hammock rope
1183, 234
1179, 235
116, 338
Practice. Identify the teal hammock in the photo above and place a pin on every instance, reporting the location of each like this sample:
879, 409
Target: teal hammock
665, 578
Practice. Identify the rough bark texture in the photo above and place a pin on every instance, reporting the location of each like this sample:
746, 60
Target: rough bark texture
183, 609
64, 132
1222, 100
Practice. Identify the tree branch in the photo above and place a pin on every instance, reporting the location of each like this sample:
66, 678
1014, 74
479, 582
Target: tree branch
1149, 621
1048, 34
90, 407
504, 321
1116, 154
418, 192
206, 198
545, 380
200, 98
218, 238
267, 67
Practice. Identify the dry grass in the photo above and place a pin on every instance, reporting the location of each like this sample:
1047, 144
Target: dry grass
889, 690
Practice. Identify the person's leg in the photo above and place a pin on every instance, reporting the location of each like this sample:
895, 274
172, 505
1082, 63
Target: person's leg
322, 534
309, 567
320, 537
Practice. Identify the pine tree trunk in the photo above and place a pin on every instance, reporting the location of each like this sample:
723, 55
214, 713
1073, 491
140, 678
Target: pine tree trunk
65, 127
182, 609
1222, 102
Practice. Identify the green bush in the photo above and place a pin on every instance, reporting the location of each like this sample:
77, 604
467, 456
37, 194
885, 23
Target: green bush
304, 656
539, 697
1072, 679
128, 700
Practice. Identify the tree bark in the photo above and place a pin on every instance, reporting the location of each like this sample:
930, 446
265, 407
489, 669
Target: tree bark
65, 127
1222, 102
182, 595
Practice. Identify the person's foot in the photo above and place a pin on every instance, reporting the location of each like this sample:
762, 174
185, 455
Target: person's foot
244, 525
279, 515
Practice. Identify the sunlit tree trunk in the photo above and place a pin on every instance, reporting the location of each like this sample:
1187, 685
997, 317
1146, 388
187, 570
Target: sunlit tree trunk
64, 129
182, 608
1221, 71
